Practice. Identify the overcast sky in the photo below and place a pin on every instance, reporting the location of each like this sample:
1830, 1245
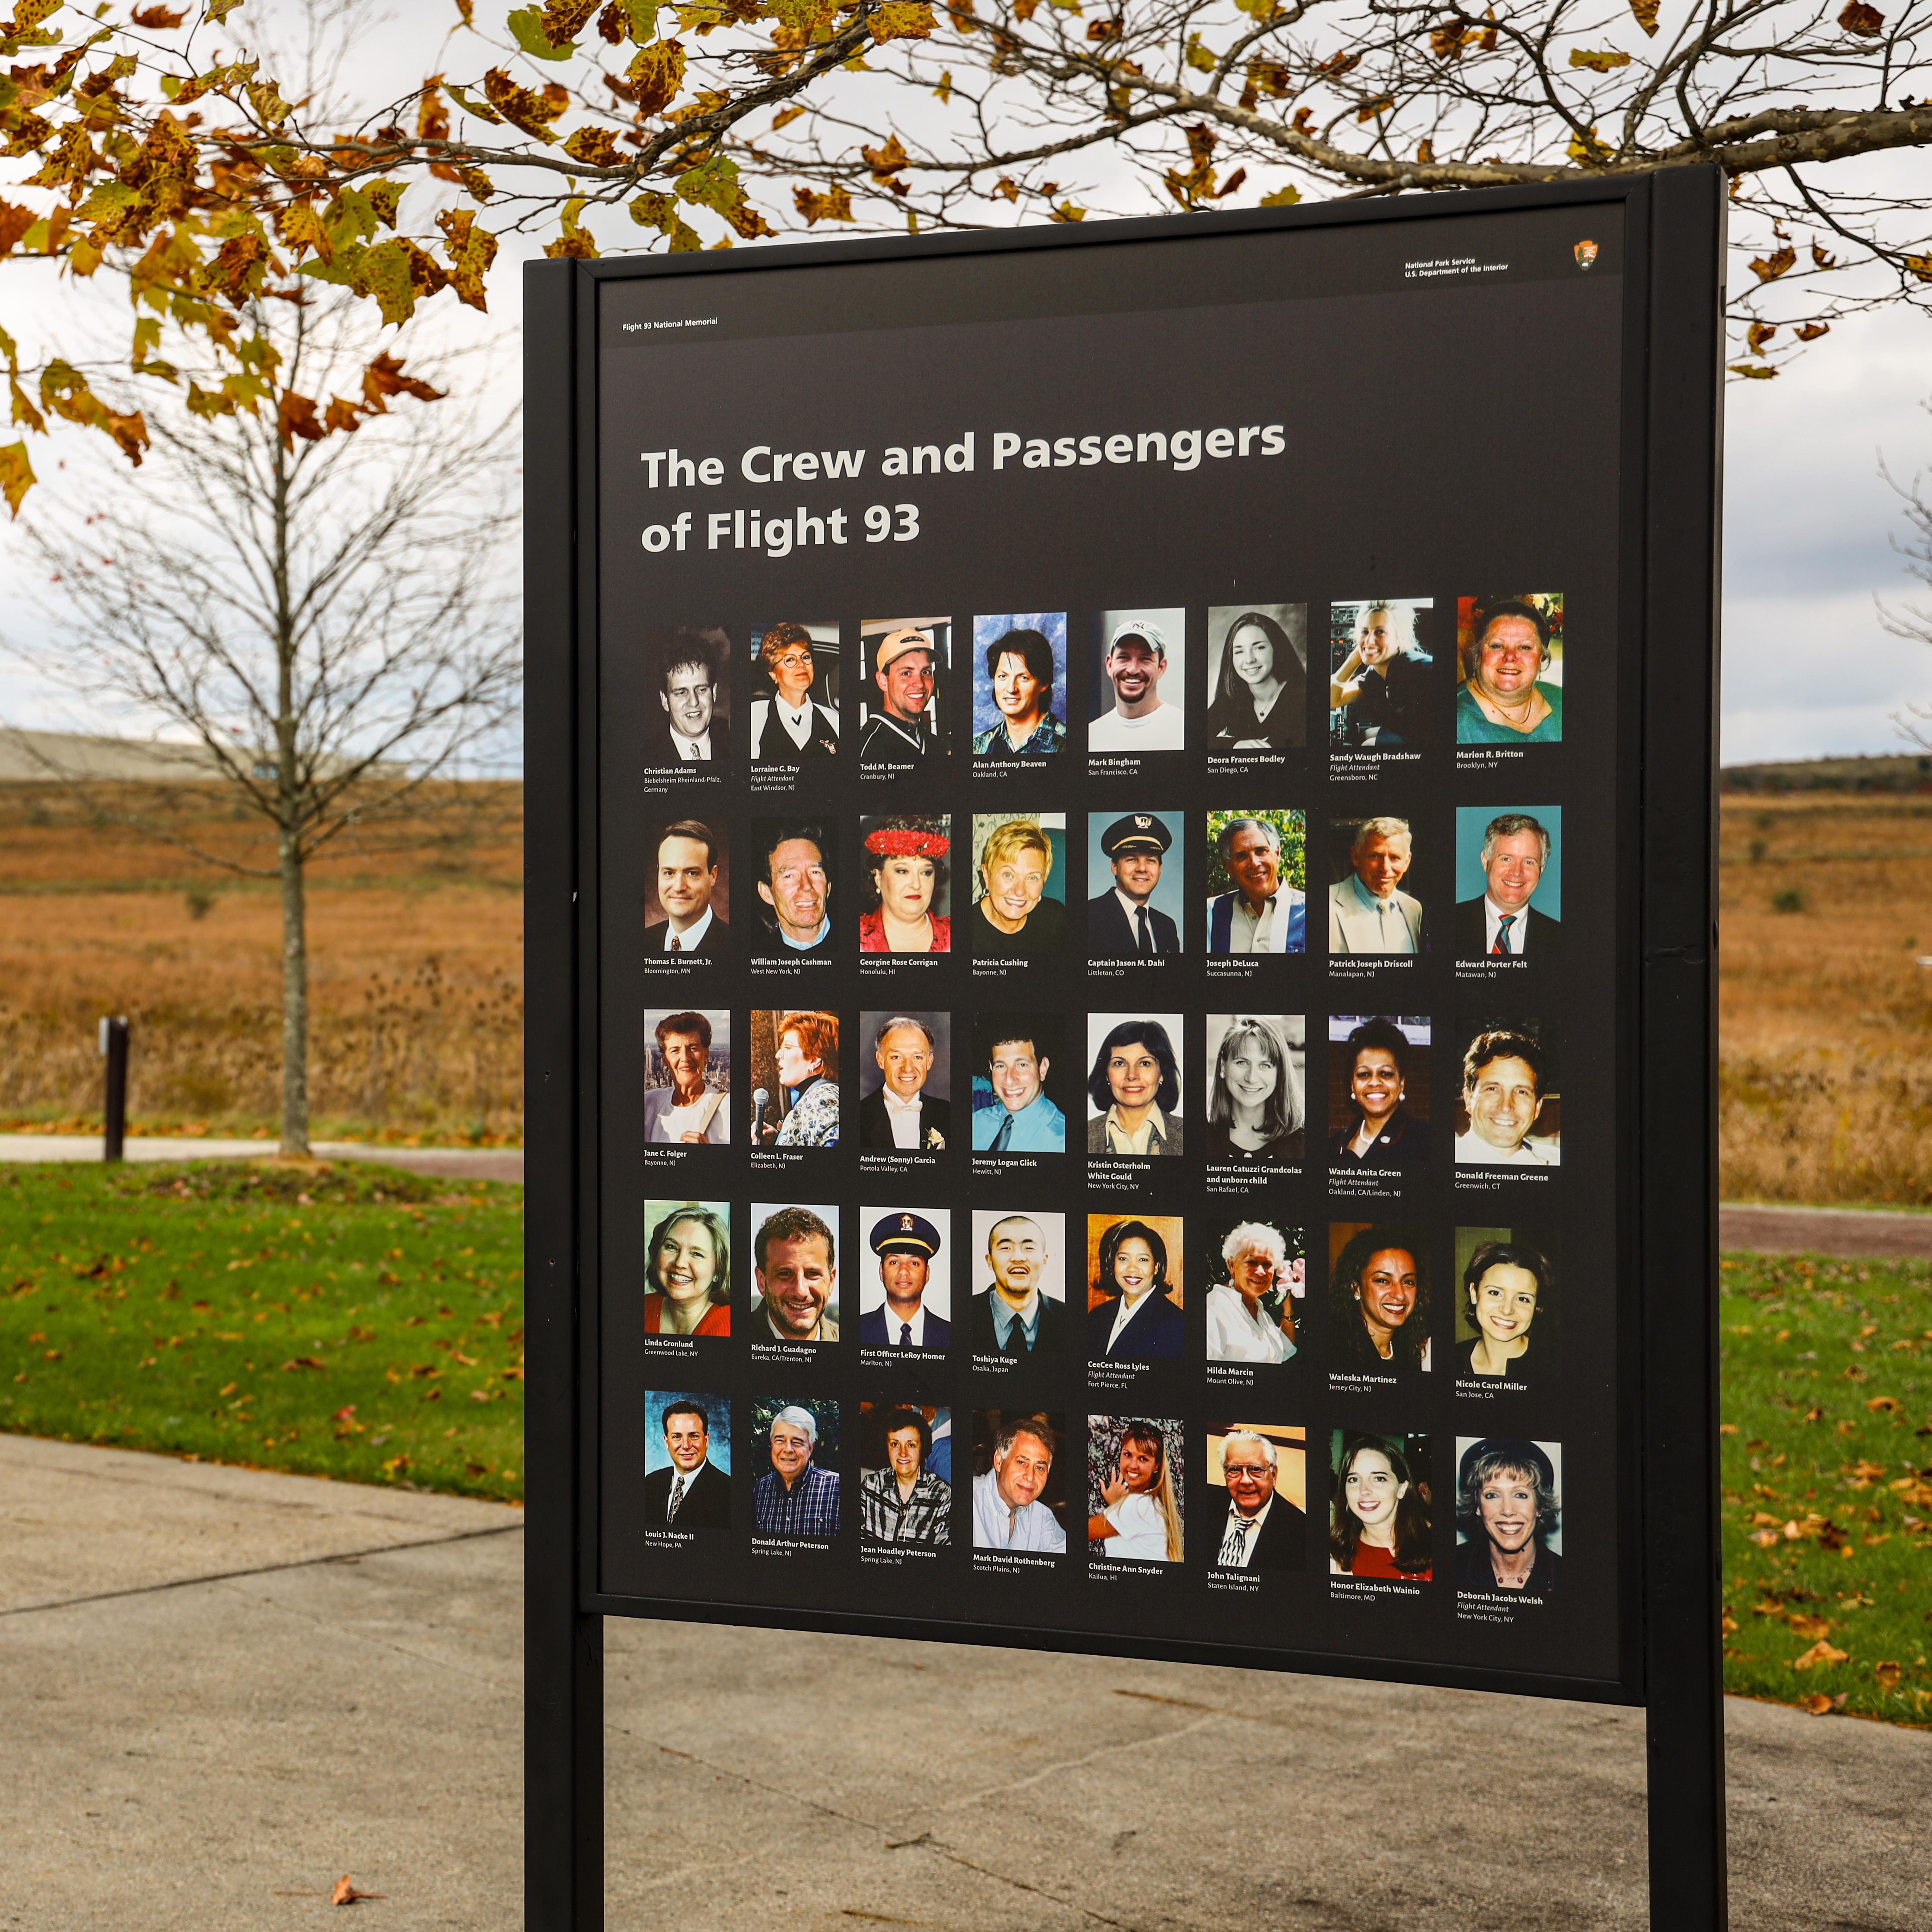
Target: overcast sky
1808, 670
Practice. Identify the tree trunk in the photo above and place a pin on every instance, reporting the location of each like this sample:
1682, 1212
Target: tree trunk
295, 1001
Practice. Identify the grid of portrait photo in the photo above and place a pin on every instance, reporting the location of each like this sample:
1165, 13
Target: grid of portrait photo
1103, 1132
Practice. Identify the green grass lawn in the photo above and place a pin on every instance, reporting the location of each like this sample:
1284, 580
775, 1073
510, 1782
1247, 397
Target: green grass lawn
353, 1321
358, 1322
1827, 1400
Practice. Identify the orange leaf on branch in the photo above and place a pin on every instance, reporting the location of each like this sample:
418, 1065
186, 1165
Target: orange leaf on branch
595, 147
523, 107
157, 20
1867, 21
655, 76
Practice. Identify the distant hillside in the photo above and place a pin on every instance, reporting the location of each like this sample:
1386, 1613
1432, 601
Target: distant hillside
1911, 772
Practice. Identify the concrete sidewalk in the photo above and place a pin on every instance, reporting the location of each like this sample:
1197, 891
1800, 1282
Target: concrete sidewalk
467, 1163
220, 1690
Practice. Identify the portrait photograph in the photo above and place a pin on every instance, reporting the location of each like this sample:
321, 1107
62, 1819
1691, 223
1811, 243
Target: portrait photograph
1257, 880
1019, 684
1018, 1278
906, 883
1386, 692
794, 1273
1256, 1108
1019, 887
1509, 649
1257, 677
1134, 1085
794, 1442
793, 863
795, 1097
1136, 863
688, 715
1255, 1500
1509, 882
687, 1460
794, 680
1379, 1300
687, 1268
1509, 1515
905, 694
905, 1080
1509, 1112
1023, 1084
1373, 906
1136, 1488
1256, 1265
1019, 1480
688, 1076
905, 1295
687, 886
905, 1474
1380, 1522
1137, 682
1135, 1264
1378, 1090
1507, 1310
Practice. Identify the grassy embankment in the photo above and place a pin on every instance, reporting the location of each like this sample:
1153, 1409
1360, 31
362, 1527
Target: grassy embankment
416, 939
350, 1321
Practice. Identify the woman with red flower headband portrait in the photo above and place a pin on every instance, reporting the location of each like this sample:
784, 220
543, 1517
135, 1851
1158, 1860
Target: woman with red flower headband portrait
906, 857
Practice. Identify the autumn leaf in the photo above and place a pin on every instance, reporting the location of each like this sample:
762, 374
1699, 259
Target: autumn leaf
1759, 334
1820, 1706
471, 250
15, 220
157, 20
595, 147
886, 160
1820, 1653
1282, 197
1884, 1405
16, 475
1601, 63
657, 73
1067, 211
301, 1361
345, 1894
1201, 59
1769, 268
1865, 21
1811, 1627
1586, 147
785, 118
1810, 332
1644, 12
384, 378
901, 20
527, 27
521, 106
834, 205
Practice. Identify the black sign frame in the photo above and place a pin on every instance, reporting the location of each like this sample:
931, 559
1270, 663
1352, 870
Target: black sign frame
1674, 230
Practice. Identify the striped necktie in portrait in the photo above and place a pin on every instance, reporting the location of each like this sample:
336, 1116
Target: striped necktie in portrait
1502, 949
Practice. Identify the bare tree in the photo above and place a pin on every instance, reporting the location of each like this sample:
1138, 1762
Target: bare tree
327, 617
1056, 109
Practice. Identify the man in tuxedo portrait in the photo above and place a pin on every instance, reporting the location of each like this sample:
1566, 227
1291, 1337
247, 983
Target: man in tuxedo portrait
1262, 1531
690, 1492
692, 725
907, 1244
1502, 923
687, 877
1121, 924
901, 1114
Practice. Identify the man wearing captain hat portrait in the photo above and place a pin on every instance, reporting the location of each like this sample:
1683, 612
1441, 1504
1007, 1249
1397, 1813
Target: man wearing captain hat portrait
908, 1243
902, 725
1122, 924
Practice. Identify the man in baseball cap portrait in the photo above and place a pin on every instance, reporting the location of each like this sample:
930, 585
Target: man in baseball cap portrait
1139, 718
905, 668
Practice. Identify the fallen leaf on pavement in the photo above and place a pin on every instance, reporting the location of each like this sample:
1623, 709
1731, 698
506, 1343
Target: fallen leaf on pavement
345, 1894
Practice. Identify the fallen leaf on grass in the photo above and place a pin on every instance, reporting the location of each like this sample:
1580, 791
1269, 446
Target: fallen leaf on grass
1820, 1652
1820, 1706
1887, 1674
305, 1362
1890, 1404
345, 1894
1804, 1626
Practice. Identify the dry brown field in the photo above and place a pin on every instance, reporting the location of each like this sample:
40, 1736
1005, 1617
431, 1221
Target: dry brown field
1826, 1014
416, 973
1825, 1011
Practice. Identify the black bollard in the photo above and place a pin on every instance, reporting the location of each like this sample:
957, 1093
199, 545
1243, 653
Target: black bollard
114, 1046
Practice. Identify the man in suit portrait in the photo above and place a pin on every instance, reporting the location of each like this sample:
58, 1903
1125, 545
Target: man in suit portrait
796, 887
1502, 923
1263, 914
693, 723
1120, 924
1262, 1531
901, 1114
690, 1492
1014, 1316
906, 1244
1368, 912
687, 877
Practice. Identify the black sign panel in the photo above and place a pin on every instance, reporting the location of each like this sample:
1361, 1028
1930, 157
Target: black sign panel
1114, 1036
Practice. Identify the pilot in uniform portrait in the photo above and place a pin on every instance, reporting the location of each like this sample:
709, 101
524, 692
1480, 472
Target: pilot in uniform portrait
1121, 923
907, 1244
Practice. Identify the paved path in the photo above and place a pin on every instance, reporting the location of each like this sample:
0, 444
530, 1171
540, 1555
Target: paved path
1857, 1233
471, 1163
220, 1690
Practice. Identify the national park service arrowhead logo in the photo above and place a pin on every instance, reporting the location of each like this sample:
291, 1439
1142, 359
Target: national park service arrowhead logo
1586, 253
